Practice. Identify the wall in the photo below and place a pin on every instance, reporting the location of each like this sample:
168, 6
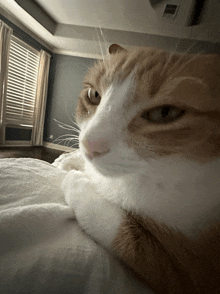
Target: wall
65, 84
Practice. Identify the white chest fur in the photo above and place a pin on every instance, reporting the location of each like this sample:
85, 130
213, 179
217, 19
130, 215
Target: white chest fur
182, 194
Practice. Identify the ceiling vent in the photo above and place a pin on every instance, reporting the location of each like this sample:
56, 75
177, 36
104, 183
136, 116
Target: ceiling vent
179, 12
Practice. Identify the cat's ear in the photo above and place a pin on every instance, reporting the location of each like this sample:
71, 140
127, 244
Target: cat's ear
115, 48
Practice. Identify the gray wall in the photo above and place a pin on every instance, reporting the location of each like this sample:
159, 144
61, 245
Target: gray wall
65, 84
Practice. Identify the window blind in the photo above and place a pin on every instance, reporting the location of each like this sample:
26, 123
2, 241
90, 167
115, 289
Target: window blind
21, 84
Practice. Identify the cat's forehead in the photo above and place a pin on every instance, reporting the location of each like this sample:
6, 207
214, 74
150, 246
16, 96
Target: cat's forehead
149, 60
142, 61
154, 69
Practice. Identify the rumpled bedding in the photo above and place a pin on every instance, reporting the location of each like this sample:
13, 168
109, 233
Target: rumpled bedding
42, 248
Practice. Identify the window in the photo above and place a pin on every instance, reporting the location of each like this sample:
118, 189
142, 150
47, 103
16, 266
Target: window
23, 68
21, 84
23, 90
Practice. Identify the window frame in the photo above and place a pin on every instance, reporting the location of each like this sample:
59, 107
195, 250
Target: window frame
17, 126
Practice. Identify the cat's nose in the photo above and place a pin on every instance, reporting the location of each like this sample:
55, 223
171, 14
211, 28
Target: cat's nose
96, 148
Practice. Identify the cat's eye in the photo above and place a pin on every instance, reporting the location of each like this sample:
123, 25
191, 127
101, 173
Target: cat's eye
94, 96
163, 115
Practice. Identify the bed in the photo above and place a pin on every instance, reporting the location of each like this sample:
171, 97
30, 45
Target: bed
42, 248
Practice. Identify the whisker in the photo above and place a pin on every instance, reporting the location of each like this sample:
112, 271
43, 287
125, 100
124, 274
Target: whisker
107, 56
73, 145
74, 122
177, 44
196, 41
100, 46
86, 66
66, 126
167, 63
184, 65
188, 50
63, 137
69, 115
170, 56
67, 136
66, 141
59, 142
104, 39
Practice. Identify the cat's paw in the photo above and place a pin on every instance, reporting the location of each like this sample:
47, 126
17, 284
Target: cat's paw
69, 161
77, 189
97, 216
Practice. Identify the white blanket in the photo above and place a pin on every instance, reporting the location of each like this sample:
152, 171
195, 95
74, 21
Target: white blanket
42, 249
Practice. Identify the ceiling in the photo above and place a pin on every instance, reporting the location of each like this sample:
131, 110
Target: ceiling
124, 15
78, 25
128, 15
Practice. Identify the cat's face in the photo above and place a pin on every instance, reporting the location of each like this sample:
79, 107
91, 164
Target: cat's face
149, 104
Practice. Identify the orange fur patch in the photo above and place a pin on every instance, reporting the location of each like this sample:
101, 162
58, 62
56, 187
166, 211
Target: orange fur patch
168, 261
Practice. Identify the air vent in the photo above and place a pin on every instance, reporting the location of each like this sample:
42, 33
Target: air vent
179, 12
170, 10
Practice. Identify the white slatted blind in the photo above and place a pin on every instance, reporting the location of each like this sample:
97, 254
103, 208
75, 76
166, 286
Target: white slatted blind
22, 83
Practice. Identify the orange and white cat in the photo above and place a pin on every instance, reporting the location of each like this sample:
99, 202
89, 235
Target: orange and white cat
149, 185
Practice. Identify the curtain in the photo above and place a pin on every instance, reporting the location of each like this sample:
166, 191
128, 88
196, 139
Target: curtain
5, 39
41, 99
